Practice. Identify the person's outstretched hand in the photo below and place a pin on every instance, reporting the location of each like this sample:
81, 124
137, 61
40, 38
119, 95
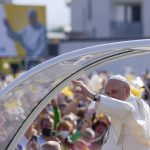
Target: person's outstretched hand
82, 88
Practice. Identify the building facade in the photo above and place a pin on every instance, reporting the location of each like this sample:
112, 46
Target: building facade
5, 1
111, 18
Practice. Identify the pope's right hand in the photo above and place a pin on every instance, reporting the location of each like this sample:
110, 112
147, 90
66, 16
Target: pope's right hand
83, 89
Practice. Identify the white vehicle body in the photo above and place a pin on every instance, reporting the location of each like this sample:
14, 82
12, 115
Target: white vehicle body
33, 90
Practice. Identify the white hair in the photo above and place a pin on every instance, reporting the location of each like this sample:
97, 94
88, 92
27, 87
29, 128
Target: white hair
50, 145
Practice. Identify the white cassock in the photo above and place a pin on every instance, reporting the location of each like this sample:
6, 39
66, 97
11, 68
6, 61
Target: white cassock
130, 123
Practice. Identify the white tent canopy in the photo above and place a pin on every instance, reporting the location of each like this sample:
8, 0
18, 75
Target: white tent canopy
23, 99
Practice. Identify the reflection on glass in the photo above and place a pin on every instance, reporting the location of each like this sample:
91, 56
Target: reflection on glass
18, 103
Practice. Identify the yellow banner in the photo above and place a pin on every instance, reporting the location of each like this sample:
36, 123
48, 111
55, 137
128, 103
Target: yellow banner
17, 17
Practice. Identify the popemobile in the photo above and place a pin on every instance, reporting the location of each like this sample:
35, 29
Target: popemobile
23, 99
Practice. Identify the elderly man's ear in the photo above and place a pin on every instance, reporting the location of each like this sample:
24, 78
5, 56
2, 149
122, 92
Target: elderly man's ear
128, 91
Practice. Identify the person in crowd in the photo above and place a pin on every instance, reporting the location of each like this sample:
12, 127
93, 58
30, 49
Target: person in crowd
62, 102
32, 144
146, 93
80, 145
27, 137
2, 76
2, 80
100, 125
32, 37
57, 113
88, 135
64, 130
72, 118
50, 145
43, 114
47, 132
130, 116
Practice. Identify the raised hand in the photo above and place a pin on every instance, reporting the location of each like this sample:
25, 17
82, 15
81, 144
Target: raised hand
82, 88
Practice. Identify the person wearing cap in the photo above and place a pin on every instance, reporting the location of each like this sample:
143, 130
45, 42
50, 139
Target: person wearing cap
130, 116
32, 37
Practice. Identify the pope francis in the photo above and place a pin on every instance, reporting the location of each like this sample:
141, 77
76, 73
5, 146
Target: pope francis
130, 116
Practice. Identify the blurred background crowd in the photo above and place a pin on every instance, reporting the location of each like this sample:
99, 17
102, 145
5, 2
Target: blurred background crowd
33, 32
69, 120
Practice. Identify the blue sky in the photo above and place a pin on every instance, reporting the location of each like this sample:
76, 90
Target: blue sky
58, 14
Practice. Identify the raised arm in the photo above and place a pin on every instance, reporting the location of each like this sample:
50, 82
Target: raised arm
114, 108
11, 33
121, 110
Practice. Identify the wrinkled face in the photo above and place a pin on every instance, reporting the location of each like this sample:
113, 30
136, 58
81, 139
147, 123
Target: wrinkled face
117, 89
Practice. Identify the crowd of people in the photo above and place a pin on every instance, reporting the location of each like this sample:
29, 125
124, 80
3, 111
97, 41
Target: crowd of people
68, 122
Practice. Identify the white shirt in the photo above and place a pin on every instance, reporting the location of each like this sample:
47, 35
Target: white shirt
130, 123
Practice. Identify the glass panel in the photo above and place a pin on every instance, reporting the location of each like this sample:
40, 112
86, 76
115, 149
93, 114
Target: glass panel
95, 79
18, 103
